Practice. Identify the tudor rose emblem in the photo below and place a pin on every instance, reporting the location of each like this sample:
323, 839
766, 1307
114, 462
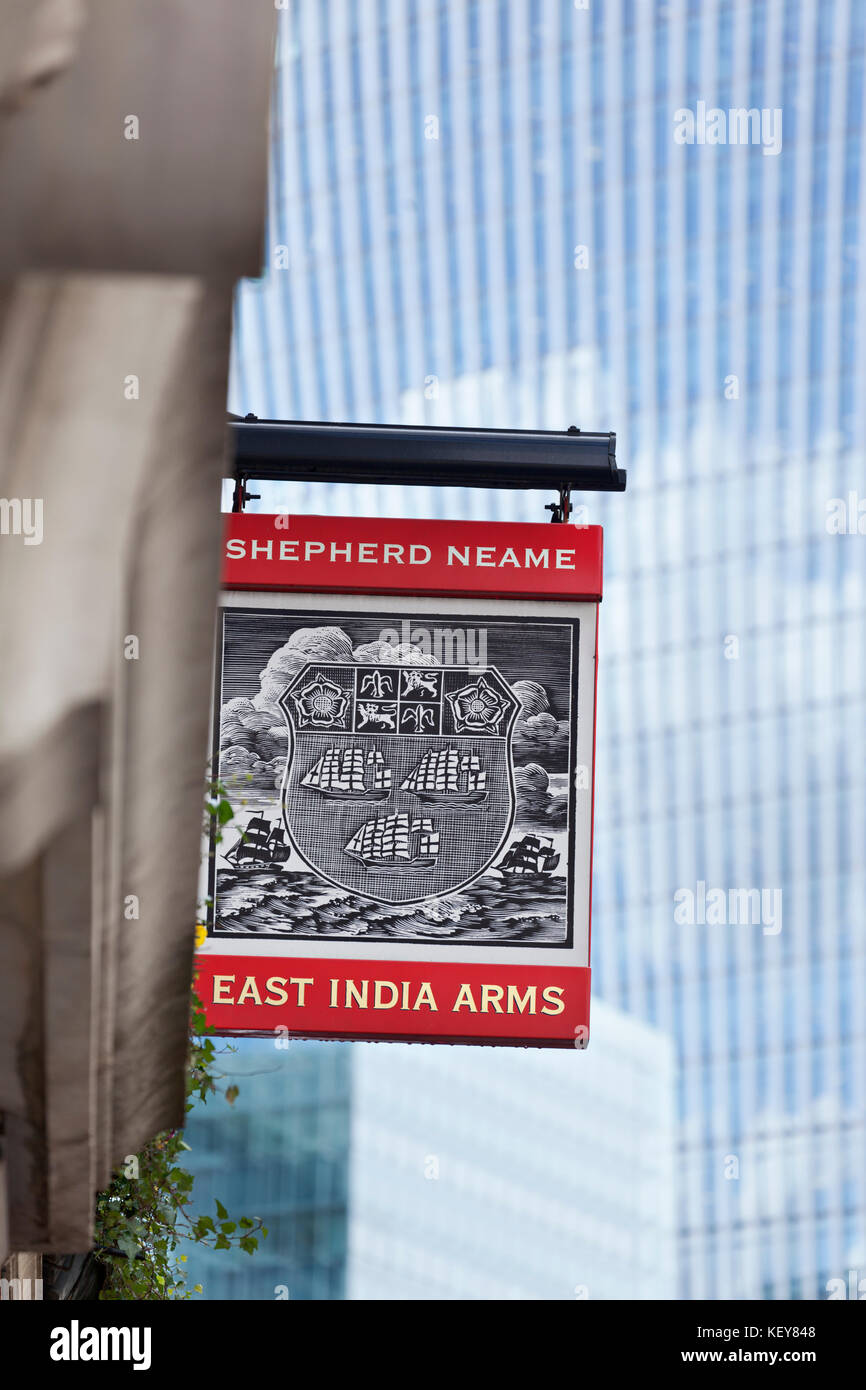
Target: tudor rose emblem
399, 783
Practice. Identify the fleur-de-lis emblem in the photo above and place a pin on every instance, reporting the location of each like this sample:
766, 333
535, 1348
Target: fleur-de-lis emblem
377, 684
418, 717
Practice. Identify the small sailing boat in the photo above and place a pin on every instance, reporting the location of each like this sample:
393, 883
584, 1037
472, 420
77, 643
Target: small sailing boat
388, 845
533, 854
261, 846
345, 774
443, 777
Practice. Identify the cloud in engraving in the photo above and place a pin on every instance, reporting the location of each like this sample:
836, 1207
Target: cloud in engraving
532, 697
383, 653
305, 644
259, 731
242, 770
537, 806
541, 738
538, 736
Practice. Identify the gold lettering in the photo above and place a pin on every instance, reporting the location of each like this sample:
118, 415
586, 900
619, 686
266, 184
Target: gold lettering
490, 997
465, 1000
358, 996
518, 1001
250, 990
302, 988
221, 982
276, 985
425, 996
379, 985
557, 1003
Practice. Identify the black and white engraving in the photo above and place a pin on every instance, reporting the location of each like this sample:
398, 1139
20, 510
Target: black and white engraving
383, 791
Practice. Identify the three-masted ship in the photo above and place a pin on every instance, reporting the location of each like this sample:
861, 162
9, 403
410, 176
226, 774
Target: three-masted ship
395, 844
261, 846
533, 854
445, 777
348, 774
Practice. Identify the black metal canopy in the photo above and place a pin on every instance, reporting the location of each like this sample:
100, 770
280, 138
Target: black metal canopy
423, 455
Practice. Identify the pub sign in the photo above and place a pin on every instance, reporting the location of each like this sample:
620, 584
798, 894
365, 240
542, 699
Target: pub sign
404, 718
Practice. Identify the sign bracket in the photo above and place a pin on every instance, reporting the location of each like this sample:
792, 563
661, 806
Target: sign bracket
423, 456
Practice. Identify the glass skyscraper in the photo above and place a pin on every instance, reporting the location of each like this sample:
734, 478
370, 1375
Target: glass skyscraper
279, 1155
394, 1171
482, 213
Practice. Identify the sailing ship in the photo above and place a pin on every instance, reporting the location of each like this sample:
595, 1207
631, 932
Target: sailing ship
347, 774
261, 846
533, 854
388, 845
444, 777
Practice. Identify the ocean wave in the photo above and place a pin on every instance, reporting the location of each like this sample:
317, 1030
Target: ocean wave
300, 905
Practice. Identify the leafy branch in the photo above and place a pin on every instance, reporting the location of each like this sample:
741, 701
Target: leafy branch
144, 1216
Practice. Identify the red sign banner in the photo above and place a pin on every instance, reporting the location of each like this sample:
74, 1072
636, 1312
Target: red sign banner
381, 555
397, 1000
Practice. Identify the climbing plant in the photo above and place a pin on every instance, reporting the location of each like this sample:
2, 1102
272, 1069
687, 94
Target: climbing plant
145, 1217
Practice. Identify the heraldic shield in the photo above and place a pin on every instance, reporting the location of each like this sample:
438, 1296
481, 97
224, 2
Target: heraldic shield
399, 782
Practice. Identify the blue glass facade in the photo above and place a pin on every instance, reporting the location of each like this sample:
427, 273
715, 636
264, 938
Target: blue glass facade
386, 1171
279, 1154
489, 222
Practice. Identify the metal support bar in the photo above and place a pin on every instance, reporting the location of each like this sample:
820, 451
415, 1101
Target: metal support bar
424, 456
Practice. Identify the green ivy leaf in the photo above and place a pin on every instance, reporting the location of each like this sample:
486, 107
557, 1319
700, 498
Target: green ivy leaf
128, 1244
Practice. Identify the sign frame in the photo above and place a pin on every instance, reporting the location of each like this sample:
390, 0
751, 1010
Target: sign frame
367, 987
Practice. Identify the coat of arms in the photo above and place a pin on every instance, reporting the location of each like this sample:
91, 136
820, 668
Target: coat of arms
399, 783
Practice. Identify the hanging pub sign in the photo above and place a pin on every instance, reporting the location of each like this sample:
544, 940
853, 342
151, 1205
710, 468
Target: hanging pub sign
404, 726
